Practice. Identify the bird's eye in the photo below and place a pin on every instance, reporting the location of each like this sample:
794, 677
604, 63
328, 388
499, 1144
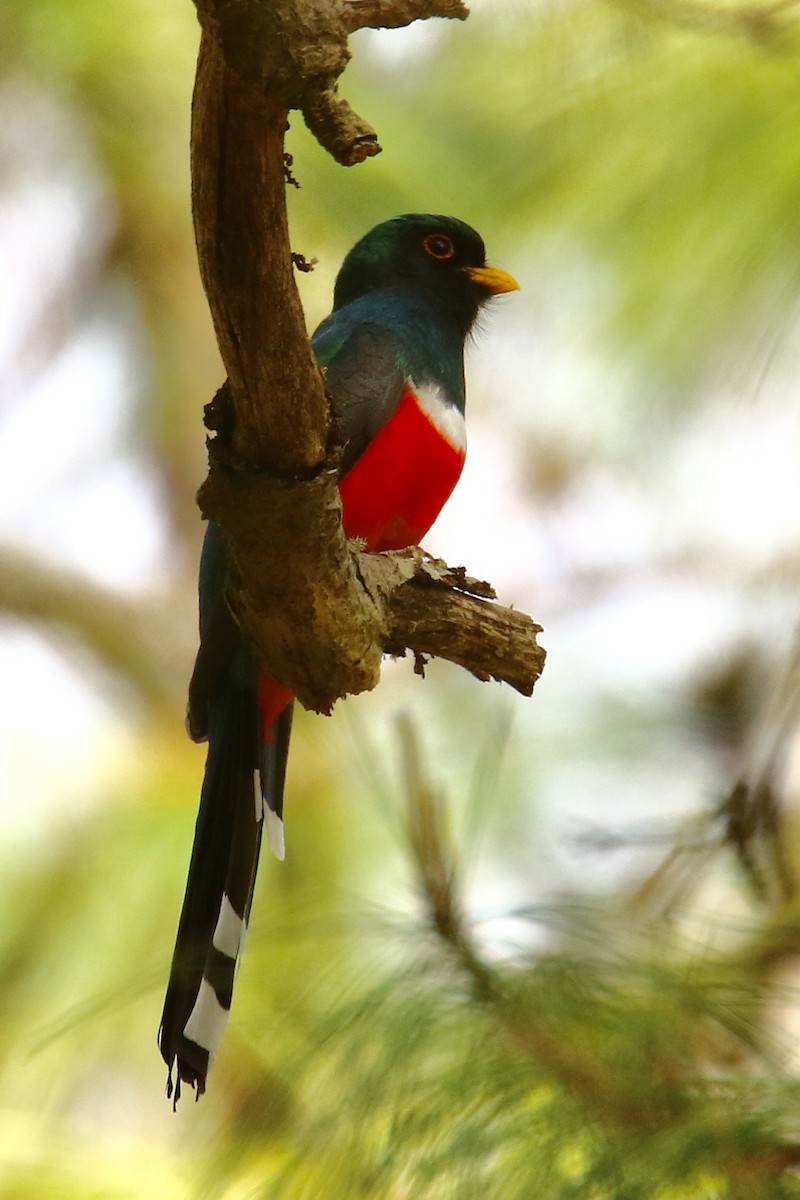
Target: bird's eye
438, 245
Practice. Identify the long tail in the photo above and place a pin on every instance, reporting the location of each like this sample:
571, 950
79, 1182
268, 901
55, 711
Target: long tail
222, 871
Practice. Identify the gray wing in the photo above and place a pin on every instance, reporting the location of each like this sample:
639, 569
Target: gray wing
365, 377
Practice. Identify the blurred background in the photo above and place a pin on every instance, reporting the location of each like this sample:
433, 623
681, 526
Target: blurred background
621, 847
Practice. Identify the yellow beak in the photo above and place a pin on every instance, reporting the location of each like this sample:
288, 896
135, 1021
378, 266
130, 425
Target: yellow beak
493, 279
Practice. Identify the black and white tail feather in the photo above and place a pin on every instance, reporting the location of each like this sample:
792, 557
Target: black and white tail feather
243, 785
242, 790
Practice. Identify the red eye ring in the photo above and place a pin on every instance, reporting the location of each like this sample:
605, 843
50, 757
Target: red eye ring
439, 245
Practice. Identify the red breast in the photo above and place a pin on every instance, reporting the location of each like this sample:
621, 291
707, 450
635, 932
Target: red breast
397, 487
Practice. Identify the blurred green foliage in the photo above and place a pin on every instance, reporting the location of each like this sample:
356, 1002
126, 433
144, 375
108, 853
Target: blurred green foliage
647, 166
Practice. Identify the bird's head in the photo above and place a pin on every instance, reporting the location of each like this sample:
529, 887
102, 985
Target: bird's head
439, 259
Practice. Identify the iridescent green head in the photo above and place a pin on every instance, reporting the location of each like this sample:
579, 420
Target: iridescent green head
439, 259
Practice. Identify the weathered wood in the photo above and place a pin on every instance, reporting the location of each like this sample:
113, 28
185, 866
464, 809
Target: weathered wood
242, 233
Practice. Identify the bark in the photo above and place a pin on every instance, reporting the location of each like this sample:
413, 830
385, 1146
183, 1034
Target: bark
318, 613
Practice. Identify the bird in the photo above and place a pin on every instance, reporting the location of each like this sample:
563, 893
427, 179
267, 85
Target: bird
392, 351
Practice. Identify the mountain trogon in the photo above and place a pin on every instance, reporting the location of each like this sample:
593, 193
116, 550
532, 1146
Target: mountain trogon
405, 299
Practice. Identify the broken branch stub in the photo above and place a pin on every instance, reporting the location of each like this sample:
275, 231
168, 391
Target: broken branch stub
437, 611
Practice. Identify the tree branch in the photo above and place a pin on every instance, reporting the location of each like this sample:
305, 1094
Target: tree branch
318, 614
432, 609
119, 632
394, 14
239, 206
